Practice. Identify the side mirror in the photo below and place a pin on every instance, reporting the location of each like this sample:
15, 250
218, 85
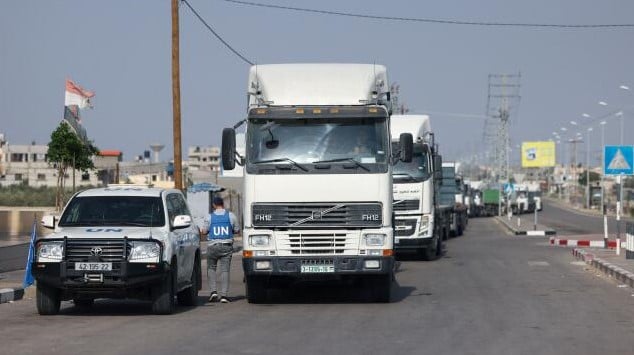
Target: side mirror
182, 221
438, 167
48, 221
228, 149
407, 147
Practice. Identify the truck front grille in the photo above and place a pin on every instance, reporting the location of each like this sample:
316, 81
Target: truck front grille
404, 227
311, 215
105, 250
406, 205
317, 243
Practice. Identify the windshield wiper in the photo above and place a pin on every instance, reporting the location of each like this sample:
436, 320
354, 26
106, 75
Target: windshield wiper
279, 160
343, 159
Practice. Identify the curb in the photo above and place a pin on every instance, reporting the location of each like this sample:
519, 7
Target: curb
606, 268
539, 233
11, 294
584, 243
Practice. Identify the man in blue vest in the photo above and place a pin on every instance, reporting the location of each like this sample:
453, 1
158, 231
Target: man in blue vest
222, 225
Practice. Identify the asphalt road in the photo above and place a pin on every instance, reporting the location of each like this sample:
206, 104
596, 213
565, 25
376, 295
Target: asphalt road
13, 257
490, 294
566, 221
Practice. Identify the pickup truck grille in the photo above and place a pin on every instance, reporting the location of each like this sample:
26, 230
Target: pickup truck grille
106, 250
302, 215
404, 227
406, 205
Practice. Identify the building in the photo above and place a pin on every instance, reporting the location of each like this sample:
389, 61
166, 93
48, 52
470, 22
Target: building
203, 158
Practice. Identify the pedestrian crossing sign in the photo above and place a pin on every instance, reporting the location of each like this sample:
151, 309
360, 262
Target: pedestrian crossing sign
619, 160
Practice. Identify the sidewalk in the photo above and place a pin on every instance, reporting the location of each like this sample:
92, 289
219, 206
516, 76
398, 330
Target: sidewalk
11, 286
526, 226
608, 263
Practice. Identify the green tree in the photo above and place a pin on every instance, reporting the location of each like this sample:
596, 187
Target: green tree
66, 150
594, 177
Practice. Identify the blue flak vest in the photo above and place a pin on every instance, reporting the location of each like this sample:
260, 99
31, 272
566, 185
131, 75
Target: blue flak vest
220, 226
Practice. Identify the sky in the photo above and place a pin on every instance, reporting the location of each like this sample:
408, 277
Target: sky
122, 51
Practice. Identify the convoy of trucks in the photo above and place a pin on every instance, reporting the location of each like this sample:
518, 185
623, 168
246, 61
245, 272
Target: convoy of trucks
333, 186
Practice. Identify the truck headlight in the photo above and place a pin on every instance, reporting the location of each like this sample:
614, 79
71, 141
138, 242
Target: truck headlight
50, 251
424, 224
259, 240
374, 240
144, 252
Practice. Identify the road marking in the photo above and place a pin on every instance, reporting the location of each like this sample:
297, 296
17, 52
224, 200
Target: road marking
579, 263
538, 263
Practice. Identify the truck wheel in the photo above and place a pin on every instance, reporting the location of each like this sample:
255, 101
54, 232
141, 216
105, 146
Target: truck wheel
189, 296
84, 303
47, 299
255, 289
163, 295
381, 288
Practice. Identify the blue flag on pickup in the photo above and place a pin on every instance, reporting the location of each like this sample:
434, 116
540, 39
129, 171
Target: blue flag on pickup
28, 276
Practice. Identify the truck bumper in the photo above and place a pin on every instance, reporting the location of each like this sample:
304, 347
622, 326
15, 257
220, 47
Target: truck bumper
124, 276
414, 243
343, 266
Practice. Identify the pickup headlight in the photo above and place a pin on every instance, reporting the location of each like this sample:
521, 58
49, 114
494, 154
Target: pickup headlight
144, 252
424, 224
259, 241
374, 240
50, 251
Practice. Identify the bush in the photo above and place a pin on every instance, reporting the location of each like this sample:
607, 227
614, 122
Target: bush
29, 196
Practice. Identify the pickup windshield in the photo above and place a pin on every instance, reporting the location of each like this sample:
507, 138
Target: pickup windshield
95, 211
350, 145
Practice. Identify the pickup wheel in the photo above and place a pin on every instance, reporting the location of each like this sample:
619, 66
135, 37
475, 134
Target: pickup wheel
255, 289
48, 299
381, 288
189, 296
163, 294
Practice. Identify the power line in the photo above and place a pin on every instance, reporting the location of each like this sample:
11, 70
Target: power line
216, 34
433, 20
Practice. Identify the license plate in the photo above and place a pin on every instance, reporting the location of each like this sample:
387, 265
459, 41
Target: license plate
318, 268
93, 266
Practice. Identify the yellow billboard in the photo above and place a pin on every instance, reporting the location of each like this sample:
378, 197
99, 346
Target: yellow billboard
538, 154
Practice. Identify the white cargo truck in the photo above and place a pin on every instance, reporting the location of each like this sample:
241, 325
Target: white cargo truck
421, 223
317, 176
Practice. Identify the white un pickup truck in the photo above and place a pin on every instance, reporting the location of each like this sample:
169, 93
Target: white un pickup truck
119, 242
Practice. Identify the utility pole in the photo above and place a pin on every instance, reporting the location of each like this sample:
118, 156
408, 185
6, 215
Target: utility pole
176, 99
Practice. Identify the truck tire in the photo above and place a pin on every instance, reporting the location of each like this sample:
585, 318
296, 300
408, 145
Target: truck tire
163, 295
255, 289
381, 288
48, 299
189, 296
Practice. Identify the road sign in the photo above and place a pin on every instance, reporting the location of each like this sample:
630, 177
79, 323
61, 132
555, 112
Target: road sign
619, 160
509, 188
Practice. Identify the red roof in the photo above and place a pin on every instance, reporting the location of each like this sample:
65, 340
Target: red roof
110, 153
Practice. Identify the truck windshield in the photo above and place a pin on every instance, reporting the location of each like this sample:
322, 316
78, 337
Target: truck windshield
415, 171
93, 211
351, 145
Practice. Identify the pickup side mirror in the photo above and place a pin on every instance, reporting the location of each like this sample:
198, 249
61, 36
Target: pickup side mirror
407, 147
438, 167
228, 149
181, 221
48, 221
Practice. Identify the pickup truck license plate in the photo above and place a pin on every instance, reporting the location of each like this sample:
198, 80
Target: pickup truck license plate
93, 266
318, 268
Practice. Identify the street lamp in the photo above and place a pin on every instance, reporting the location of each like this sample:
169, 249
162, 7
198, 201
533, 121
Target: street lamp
588, 168
602, 123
